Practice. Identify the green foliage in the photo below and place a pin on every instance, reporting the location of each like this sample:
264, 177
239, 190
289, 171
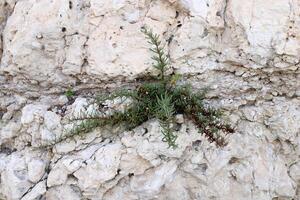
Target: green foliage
69, 93
160, 58
162, 99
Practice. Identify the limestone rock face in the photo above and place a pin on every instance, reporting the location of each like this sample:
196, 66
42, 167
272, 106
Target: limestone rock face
23, 174
246, 52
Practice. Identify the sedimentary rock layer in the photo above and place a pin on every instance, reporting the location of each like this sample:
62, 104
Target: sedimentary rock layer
246, 52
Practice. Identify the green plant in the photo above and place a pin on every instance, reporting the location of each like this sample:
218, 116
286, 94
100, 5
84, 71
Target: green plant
162, 98
69, 93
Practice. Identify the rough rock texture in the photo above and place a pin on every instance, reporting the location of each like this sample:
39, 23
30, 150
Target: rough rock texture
247, 52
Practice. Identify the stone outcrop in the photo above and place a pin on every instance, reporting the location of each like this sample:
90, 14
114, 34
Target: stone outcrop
246, 52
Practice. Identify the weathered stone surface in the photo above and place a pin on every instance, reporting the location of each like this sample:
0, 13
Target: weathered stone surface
19, 178
36, 170
36, 192
150, 183
63, 192
6, 8
9, 131
246, 52
107, 160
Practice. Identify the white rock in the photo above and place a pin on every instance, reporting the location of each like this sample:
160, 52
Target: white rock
256, 17
57, 176
10, 130
133, 164
283, 120
195, 7
132, 17
102, 168
74, 55
38, 51
51, 120
113, 57
14, 178
283, 184
150, 183
78, 107
295, 172
246, 52
62, 100
36, 170
47, 136
71, 165
65, 146
101, 8
38, 190
179, 119
64, 192
32, 112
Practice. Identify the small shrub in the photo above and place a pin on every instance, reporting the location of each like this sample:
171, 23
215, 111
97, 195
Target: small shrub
69, 93
162, 98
